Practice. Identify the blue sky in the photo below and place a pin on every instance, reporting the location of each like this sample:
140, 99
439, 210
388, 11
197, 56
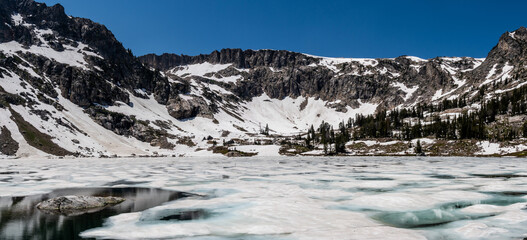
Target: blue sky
326, 28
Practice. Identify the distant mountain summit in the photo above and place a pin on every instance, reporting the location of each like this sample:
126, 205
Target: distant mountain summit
69, 87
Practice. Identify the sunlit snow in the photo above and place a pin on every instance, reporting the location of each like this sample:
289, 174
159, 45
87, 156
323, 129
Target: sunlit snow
409, 91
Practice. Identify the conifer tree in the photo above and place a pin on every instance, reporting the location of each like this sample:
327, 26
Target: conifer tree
313, 134
418, 148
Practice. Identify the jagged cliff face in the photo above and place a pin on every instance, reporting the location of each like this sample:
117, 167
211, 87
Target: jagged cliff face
67, 86
236, 57
402, 81
507, 60
79, 56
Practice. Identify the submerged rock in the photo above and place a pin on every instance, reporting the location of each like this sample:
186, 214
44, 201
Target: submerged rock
76, 205
174, 215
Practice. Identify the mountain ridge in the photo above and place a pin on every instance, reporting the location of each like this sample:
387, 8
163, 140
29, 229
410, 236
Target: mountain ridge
68, 84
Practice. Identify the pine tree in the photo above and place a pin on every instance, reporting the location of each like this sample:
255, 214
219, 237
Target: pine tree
313, 134
350, 123
332, 135
340, 143
418, 148
524, 129
308, 141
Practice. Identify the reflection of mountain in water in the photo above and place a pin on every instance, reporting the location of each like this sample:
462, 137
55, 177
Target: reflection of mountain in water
20, 219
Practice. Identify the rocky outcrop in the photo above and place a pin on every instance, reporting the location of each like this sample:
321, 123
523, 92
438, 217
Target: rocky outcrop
84, 88
8, 145
181, 109
76, 205
511, 51
127, 125
162, 142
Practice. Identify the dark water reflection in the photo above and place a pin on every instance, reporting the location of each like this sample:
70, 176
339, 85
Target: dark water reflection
444, 213
20, 219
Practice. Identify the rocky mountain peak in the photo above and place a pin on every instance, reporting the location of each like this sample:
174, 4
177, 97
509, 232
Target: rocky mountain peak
86, 53
509, 53
520, 34
510, 45
514, 47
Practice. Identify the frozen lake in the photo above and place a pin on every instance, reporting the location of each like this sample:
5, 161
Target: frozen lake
277, 198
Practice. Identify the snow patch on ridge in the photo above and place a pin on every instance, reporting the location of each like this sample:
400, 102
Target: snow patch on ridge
332, 63
73, 56
199, 69
493, 76
409, 91
17, 19
415, 59
437, 95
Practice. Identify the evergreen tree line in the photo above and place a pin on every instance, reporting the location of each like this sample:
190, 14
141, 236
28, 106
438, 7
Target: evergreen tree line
333, 141
511, 103
410, 123
469, 125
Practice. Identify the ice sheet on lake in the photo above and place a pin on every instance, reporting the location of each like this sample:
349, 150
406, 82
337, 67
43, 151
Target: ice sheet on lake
300, 198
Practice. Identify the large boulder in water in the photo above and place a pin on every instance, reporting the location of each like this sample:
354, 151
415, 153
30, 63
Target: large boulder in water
75, 205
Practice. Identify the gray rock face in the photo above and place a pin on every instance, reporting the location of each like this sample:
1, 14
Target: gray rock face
281, 74
162, 143
8, 145
182, 109
510, 50
126, 125
240, 59
107, 78
72, 205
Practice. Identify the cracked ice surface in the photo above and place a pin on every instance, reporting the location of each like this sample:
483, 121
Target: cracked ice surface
300, 197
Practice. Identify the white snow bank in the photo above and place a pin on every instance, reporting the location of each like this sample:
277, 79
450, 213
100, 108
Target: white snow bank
199, 69
409, 91
73, 56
